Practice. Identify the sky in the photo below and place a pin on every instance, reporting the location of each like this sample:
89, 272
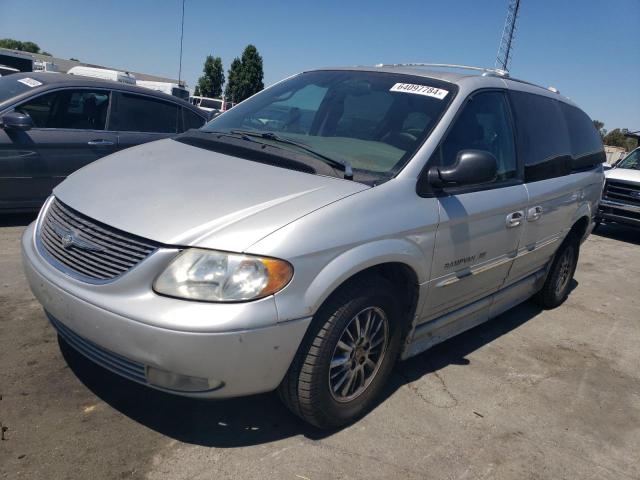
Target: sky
588, 49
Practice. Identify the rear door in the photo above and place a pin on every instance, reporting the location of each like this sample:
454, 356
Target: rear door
142, 118
480, 226
544, 145
69, 132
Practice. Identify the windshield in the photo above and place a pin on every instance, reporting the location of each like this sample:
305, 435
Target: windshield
373, 121
10, 86
631, 161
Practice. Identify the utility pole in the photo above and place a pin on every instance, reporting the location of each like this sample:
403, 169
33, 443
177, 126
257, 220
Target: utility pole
506, 43
181, 37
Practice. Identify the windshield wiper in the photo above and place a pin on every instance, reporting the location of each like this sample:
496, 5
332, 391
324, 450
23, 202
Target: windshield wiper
340, 164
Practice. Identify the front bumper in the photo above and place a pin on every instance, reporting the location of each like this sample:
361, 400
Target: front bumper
619, 212
125, 324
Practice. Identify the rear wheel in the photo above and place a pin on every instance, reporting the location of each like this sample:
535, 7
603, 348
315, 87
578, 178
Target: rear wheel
558, 283
347, 355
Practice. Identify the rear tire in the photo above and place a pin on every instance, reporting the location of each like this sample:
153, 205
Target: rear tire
558, 282
347, 355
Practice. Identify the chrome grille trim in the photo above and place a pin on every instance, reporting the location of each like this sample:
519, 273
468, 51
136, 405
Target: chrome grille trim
120, 251
621, 192
111, 361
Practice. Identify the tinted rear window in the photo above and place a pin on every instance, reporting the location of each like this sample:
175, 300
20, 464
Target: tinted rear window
137, 113
586, 144
543, 137
191, 120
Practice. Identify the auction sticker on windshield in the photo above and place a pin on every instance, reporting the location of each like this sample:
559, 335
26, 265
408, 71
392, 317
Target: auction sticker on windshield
30, 82
419, 90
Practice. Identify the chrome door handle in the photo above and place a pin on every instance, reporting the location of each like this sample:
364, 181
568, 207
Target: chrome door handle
100, 143
534, 213
515, 219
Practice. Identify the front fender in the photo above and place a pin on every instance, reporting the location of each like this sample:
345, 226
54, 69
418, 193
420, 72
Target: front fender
344, 266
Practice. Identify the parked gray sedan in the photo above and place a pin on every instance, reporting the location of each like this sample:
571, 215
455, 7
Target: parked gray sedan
317, 232
53, 124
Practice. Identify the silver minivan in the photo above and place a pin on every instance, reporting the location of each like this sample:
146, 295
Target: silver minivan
310, 237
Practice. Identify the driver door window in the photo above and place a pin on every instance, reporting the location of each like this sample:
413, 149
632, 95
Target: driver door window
483, 124
69, 109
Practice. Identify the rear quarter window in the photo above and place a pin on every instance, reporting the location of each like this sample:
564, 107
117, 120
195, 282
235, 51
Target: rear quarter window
191, 120
543, 137
586, 144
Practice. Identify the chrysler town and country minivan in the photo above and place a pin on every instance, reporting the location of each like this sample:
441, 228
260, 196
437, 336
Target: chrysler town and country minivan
310, 237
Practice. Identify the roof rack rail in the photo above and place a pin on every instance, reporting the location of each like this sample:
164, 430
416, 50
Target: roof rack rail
487, 71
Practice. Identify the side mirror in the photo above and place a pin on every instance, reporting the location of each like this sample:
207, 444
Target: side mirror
16, 121
472, 167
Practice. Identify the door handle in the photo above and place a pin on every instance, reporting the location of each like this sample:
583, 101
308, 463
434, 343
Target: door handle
534, 213
100, 143
515, 219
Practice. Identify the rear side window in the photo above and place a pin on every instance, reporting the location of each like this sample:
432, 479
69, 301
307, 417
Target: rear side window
137, 113
586, 144
543, 138
191, 120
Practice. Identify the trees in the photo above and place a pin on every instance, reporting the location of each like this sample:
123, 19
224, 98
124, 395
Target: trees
210, 84
245, 76
233, 80
617, 138
30, 47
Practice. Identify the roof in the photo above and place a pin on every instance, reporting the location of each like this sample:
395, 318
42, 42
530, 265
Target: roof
460, 74
64, 65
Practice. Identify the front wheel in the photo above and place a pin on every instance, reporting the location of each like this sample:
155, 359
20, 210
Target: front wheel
347, 355
558, 283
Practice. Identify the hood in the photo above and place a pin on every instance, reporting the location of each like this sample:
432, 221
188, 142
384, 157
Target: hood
624, 174
182, 195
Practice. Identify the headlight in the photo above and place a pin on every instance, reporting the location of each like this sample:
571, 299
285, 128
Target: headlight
213, 276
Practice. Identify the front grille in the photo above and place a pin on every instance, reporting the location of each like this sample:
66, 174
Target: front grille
109, 360
622, 192
91, 250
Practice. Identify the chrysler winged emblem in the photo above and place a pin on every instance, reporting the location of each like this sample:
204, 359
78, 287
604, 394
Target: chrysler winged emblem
71, 238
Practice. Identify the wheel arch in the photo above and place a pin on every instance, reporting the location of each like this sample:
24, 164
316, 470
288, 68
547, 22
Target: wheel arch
400, 262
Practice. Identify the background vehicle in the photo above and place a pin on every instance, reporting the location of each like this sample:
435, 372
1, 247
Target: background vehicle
211, 105
621, 196
103, 74
53, 124
42, 66
318, 231
174, 89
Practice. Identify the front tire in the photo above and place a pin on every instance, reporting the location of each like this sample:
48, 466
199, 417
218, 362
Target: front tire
347, 355
558, 283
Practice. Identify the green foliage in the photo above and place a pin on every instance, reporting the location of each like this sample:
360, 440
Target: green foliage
245, 76
196, 91
210, 84
617, 138
233, 80
30, 47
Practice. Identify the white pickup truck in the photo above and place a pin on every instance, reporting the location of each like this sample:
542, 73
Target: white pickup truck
621, 196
